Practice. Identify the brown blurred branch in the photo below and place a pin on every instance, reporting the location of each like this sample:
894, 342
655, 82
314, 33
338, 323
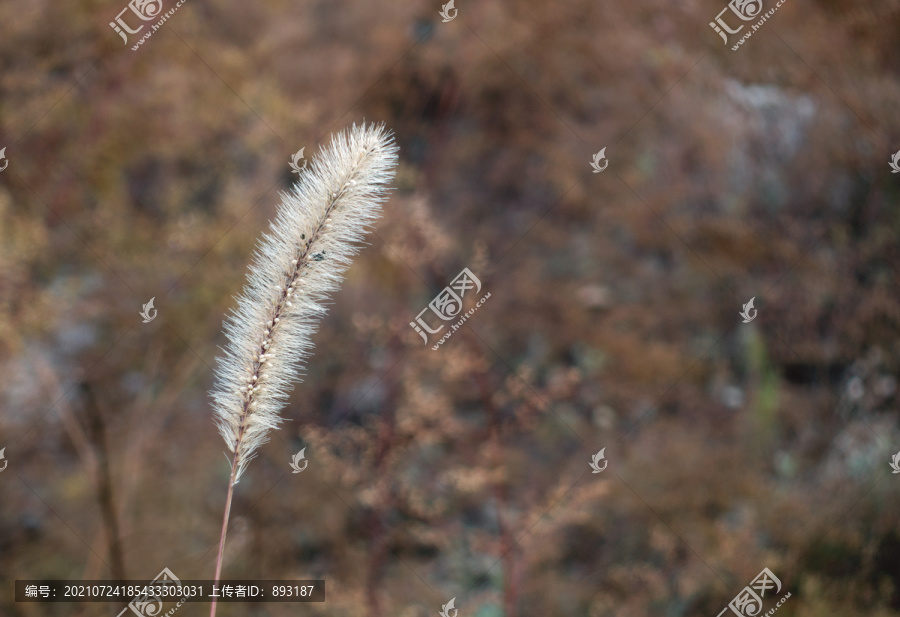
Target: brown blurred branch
47, 376
97, 431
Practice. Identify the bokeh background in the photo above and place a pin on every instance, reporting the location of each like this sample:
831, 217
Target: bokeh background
613, 319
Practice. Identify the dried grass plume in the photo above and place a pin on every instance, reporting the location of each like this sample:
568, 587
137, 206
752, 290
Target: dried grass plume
316, 232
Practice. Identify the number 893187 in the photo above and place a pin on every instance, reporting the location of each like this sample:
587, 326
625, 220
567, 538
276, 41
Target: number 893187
292, 591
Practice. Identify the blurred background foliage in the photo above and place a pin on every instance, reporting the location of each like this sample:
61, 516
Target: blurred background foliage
613, 319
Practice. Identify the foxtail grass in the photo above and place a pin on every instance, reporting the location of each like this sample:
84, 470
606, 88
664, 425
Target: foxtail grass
317, 231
